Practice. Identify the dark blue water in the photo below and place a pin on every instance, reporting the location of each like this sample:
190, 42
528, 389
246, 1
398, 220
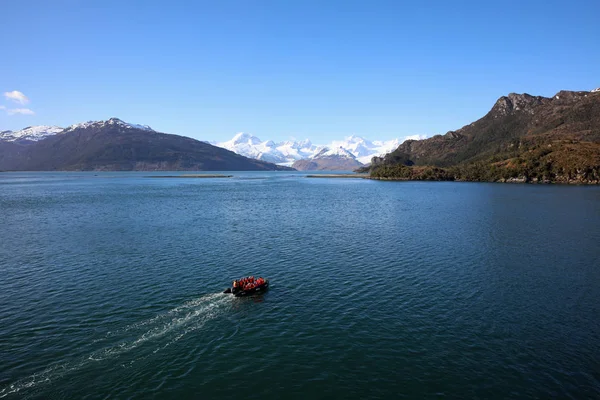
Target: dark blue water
110, 288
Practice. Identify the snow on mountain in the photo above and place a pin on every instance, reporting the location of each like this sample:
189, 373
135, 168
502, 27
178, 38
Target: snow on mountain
35, 133
243, 138
31, 133
243, 143
364, 149
112, 121
334, 152
358, 146
252, 147
329, 159
284, 153
293, 150
287, 152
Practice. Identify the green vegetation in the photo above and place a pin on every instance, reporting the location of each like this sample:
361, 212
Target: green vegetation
403, 172
560, 162
522, 139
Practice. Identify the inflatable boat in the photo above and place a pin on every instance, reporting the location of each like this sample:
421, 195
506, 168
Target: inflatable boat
247, 286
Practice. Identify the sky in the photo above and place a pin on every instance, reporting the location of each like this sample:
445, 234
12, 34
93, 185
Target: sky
286, 69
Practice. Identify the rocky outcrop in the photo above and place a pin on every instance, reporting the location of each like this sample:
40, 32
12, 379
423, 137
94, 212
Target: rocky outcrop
516, 102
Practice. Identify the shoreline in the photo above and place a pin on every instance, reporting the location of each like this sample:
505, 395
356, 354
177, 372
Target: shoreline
190, 176
512, 181
347, 176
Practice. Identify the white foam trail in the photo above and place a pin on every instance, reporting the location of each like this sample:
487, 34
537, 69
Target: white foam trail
186, 318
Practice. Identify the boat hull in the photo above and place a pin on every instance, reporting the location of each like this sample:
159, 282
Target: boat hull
255, 290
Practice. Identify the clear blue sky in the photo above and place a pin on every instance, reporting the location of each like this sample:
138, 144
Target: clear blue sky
289, 68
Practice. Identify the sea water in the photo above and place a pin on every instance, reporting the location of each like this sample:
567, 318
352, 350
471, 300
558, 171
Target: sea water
110, 287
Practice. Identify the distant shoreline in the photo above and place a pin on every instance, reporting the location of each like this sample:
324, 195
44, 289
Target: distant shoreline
190, 176
356, 176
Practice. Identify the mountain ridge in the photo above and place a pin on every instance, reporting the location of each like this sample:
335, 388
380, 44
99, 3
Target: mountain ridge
289, 151
30, 133
335, 159
522, 137
117, 145
283, 153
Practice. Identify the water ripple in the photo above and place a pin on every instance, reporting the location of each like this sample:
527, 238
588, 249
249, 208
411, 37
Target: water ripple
378, 289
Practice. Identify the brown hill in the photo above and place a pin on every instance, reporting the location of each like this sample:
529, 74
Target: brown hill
523, 137
329, 160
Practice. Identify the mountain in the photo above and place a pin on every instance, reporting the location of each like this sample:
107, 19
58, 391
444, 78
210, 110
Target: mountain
336, 159
288, 152
284, 153
522, 138
117, 145
110, 122
364, 149
31, 133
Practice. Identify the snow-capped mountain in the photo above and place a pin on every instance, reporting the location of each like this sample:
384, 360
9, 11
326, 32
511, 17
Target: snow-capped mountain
115, 145
282, 153
334, 159
109, 122
286, 153
364, 149
334, 152
39, 132
31, 133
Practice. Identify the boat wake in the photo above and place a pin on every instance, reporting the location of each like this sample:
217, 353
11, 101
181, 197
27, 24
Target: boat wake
157, 332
